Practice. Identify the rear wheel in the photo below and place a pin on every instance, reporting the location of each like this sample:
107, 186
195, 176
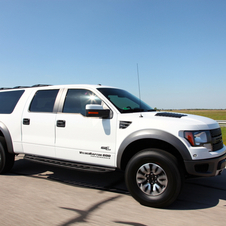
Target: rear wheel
6, 159
153, 178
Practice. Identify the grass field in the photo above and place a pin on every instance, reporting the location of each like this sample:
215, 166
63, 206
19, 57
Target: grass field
214, 114
223, 129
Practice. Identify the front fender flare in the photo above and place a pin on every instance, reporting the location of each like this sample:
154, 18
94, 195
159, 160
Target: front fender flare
153, 134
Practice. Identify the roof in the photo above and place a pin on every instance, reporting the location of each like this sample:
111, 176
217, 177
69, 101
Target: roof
55, 86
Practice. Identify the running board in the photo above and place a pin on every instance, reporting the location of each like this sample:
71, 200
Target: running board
68, 164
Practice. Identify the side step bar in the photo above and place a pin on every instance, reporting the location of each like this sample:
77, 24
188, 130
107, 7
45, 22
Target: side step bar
68, 164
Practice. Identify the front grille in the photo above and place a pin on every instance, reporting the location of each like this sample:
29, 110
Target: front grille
217, 141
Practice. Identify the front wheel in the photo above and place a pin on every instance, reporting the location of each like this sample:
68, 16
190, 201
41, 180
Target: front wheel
153, 178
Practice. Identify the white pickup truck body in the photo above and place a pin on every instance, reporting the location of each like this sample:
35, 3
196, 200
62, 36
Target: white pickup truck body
106, 128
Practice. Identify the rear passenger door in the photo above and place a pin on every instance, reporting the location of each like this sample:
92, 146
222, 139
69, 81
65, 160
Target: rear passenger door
38, 123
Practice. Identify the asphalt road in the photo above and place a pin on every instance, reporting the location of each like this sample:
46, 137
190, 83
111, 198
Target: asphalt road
38, 194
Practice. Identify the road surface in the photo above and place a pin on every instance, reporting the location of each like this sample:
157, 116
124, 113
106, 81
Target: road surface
38, 194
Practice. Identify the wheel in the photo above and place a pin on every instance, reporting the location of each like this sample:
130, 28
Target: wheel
153, 178
6, 159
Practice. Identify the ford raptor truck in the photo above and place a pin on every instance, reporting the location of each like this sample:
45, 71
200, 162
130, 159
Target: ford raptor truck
101, 128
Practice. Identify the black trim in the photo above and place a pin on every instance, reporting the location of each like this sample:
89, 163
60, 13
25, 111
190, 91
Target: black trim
169, 114
124, 124
68, 164
207, 167
217, 141
24, 87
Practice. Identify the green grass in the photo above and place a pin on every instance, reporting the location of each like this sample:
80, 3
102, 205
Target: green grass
223, 130
214, 114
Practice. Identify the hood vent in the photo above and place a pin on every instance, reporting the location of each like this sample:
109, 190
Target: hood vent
169, 114
124, 124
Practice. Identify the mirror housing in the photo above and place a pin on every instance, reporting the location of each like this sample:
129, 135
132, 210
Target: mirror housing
96, 110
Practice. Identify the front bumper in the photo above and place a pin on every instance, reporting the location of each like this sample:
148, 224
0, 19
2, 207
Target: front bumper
207, 167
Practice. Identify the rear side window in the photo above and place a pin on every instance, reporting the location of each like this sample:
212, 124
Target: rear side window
43, 101
9, 100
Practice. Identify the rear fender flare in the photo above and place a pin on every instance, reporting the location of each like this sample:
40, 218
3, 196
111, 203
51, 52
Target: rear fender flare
7, 137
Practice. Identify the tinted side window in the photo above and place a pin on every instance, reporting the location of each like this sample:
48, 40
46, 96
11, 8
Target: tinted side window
43, 101
8, 101
77, 99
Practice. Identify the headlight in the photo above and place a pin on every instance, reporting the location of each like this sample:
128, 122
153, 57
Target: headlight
198, 138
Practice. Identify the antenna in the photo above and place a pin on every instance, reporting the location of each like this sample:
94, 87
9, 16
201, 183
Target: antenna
138, 77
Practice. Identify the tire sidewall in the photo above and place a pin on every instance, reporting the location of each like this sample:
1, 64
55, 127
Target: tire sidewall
3, 159
167, 162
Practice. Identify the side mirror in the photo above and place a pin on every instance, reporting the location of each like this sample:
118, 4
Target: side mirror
96, 110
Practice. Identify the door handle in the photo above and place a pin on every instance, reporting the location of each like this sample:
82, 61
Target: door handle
61, 123
26, 121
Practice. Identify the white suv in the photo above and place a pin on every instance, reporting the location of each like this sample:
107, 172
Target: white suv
94, 127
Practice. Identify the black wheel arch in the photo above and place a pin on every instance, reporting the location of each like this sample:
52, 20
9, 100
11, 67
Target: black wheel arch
5, 134
142, 139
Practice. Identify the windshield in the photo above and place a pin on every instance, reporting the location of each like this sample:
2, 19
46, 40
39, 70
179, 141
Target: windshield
124, 101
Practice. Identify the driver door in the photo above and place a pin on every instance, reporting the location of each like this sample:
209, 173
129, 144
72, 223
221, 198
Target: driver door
84, 139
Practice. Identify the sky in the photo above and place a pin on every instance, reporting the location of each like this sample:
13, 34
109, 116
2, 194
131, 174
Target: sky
177, 47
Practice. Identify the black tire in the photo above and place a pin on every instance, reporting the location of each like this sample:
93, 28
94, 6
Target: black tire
6, 159
153, 178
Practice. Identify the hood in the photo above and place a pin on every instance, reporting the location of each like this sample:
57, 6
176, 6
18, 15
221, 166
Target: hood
200, 122
170, 121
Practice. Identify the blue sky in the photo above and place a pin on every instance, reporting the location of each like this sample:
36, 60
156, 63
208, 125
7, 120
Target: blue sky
179, 45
